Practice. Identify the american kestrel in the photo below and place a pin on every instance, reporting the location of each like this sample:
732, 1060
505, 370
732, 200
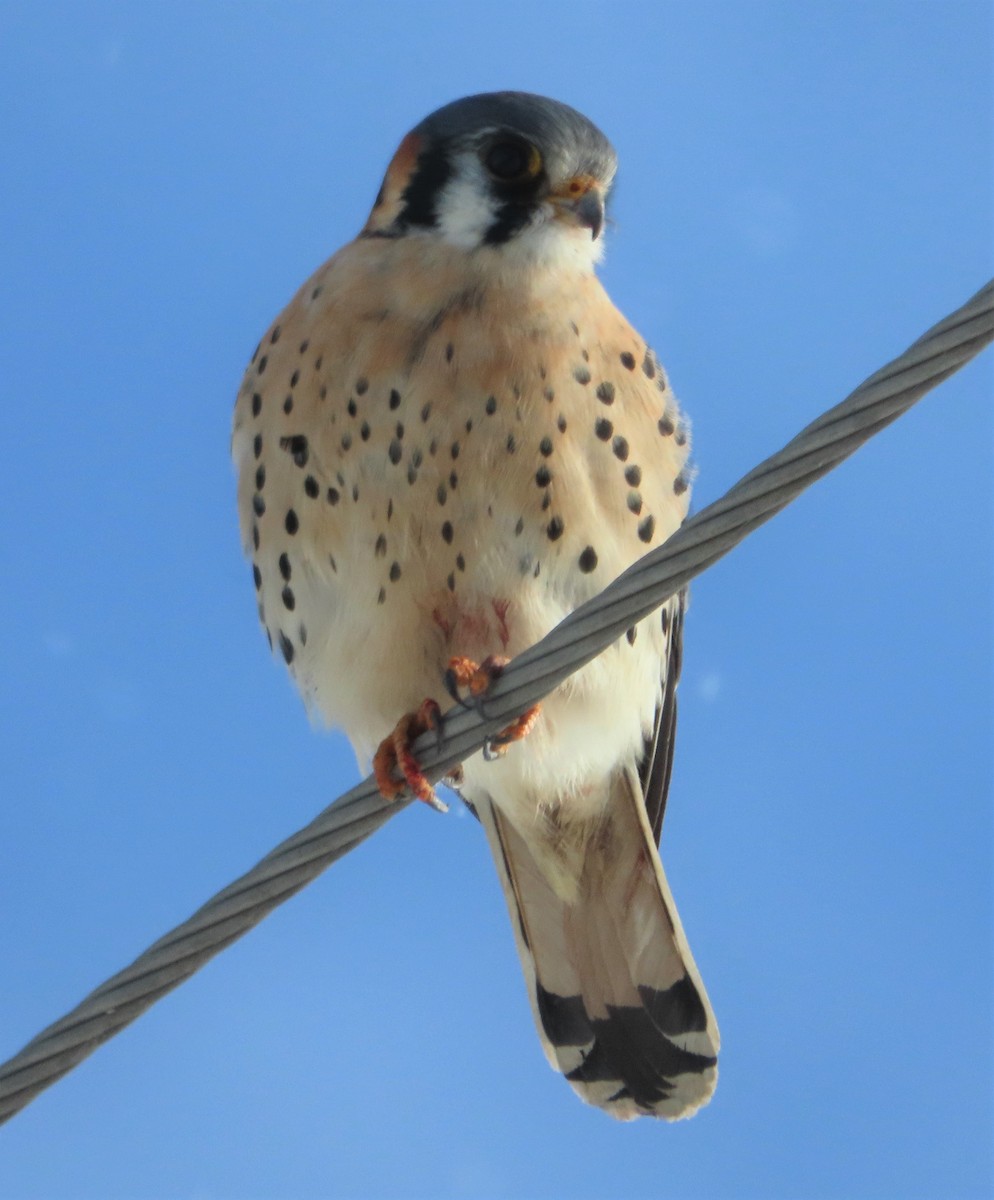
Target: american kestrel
447, 441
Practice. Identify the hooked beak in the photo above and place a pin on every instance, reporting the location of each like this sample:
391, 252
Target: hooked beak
581, 202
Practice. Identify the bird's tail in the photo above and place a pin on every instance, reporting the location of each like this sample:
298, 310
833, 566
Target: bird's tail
617, 999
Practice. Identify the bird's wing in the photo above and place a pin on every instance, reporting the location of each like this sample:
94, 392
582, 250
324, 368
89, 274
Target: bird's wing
656, 766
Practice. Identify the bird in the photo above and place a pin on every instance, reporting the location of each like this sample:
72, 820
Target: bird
447, 441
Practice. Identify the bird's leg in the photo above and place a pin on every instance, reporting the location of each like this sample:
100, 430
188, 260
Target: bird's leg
477, 678
395, 753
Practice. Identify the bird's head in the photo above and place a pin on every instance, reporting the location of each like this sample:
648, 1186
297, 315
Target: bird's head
504, 173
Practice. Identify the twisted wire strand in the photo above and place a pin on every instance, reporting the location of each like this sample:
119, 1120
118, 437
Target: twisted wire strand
589, 630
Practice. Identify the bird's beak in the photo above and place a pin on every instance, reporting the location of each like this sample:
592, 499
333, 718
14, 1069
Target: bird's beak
580, 201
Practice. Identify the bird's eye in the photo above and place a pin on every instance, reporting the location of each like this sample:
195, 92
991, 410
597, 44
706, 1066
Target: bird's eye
511, 160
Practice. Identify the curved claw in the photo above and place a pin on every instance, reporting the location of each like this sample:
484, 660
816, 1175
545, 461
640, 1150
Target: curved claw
395, 754
477, 678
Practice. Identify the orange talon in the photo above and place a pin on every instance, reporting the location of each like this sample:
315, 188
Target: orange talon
477, 678
394, 753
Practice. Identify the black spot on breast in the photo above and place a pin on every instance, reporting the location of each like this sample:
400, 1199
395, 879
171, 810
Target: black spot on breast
399, 431
303, 346
451, 581
289, 601
460, 562
395, 452
394, 398
257, 576
351, 408
646, 527
543, 477
649, 365
581, 375
287, 647
588, 560
633, 475
453, 480
285, 568
381, 546
512, 445
262, 364
632, 634
628, 361
635, 502
554, 529
605, 393
256, 404
447, 532
545, 446
680, 485
394, 572
258, 505
361, 386
449, 352
260, 476
455, 450
364, 431
603, 428
297, 448
620, 447
665, 426
549, 394
346, 441
519, 526
426, 412
381, 595
255, 535
311, 487
257, 445
441, 493
288, 405
291, 524
561, 423
295, 379
274, 337
333, 495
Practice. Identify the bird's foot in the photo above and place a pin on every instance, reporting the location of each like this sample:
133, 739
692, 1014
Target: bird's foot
395, 754
477, 679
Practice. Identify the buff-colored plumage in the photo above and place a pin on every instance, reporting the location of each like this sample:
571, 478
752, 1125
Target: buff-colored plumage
443, 452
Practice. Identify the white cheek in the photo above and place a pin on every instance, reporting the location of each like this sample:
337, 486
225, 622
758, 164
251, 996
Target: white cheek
555, 243
465, 213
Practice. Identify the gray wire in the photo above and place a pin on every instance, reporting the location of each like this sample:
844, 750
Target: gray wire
701, 541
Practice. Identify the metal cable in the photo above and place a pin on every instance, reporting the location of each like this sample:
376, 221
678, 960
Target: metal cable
702, 540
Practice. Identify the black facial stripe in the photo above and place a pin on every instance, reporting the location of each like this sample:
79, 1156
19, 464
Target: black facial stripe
420, 197
511, 217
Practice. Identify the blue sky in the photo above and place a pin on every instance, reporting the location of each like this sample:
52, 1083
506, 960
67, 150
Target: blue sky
804, 189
